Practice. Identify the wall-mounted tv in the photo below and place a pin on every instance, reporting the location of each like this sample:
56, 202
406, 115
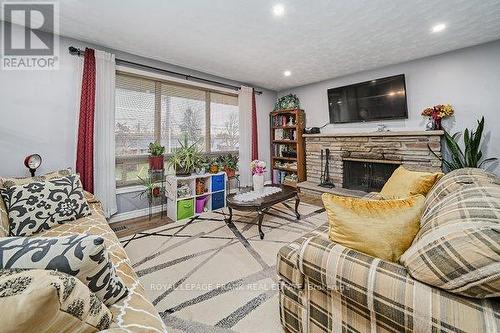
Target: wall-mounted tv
378, 99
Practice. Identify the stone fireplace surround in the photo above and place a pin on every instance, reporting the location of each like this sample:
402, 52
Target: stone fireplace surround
408, 148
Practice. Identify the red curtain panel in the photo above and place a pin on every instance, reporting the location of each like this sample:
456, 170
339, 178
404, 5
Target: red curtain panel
85, 147
255, 140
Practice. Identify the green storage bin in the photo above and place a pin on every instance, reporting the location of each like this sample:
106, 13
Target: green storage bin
185, 208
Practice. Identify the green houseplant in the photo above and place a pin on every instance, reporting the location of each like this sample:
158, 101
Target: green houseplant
151, 189
471, 156
229, 163
185, 159
213, 164
156, 152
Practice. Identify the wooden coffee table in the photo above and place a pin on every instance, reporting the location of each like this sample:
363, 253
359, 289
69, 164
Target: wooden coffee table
262, 205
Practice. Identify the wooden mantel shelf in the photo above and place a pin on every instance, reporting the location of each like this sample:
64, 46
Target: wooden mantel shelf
386, 133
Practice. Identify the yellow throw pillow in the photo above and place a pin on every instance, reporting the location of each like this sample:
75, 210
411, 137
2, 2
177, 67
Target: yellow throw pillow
381, 228
404, 183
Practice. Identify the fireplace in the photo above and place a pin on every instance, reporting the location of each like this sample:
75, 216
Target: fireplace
366, 175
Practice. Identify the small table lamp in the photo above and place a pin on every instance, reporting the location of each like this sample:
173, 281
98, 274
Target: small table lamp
32, 162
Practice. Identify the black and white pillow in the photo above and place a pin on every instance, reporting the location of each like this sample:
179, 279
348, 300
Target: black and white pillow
82, 256
40, 205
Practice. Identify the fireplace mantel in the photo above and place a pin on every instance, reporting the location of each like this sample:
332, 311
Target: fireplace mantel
385, 133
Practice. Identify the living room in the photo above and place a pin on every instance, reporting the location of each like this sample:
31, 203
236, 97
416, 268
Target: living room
237, 166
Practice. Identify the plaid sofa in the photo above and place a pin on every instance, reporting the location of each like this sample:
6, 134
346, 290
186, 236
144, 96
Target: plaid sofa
325, 287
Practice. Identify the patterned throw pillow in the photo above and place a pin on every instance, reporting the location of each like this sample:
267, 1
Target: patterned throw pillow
9, 182
49, 301
38, 206
82, 256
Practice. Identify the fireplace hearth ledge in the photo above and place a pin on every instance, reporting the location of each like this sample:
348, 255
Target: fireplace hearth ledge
386, 133
314, 189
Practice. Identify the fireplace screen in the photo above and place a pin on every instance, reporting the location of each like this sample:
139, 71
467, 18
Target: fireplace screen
367, 176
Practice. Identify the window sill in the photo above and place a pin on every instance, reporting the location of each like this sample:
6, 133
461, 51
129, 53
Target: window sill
130, 189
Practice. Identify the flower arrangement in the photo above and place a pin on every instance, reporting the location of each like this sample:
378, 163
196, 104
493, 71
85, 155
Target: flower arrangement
258, 167
438, 112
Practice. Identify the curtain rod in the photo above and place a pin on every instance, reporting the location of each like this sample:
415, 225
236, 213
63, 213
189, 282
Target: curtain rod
75, 51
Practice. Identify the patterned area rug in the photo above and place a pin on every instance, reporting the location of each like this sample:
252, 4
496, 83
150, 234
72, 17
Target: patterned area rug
208, 275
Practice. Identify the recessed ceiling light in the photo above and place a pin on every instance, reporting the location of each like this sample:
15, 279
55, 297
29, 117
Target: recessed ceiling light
287, 73
438, 27
278, 10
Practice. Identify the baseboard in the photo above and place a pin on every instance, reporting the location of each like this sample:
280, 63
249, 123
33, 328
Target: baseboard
133, 214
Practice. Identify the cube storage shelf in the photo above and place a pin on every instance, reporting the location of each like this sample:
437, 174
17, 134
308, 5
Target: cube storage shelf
182, 200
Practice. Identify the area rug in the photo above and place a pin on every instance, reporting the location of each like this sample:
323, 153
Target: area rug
210, 275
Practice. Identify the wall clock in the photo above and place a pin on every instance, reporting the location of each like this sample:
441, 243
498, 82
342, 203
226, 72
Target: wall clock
32, 162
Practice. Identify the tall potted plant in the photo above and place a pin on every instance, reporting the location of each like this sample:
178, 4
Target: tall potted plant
471, 156
186, 158
156, 156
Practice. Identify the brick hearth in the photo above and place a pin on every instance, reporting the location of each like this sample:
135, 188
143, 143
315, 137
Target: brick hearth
408, 148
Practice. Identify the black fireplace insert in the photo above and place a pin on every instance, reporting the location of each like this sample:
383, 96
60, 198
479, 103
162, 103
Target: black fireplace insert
366, 176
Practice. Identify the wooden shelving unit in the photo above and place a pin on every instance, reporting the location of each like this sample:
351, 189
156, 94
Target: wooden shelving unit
287, 146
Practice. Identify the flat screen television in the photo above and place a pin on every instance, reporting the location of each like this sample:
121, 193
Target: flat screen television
378, 99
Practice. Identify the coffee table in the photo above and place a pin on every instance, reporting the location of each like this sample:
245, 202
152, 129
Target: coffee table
262, 205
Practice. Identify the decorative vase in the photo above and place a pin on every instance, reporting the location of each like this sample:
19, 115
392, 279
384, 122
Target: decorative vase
156, 162
430, 125
436, 124
258, 182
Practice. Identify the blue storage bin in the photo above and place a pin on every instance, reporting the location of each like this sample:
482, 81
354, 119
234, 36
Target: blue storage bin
218, 183
218, 200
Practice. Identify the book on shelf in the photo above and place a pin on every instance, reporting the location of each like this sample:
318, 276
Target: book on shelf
284, 151
284, 177
285, 134
283, 120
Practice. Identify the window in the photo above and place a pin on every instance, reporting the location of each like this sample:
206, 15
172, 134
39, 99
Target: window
224, 122
183, 112
149, 110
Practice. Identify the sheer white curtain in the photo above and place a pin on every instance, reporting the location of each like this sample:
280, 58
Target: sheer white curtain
104, 132
245, 128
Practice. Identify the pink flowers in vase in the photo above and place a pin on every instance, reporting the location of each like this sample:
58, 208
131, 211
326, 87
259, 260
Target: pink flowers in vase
258, 167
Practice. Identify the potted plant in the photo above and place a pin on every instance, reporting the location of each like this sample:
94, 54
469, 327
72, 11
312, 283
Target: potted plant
151, 189
186, 158
156, 152
230, 164
213, 164
471, 156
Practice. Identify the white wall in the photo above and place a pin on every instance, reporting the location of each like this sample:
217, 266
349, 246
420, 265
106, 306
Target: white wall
469, 79
39, 114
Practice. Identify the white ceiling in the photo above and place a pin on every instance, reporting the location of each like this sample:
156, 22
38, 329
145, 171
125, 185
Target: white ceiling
315, 39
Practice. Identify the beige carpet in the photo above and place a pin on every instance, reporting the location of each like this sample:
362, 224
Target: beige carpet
208, 275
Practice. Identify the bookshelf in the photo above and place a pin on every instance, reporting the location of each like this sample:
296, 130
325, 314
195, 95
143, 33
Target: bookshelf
287, 147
